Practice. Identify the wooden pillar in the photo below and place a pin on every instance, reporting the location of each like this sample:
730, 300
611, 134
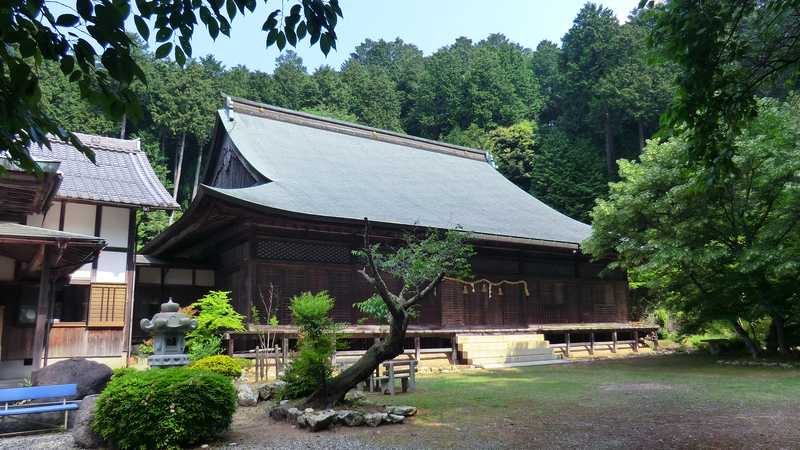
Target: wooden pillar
566, 344
285, 348
655, 341
636, 341
591, 343
416, 348
42, 312
454, 343
614, 342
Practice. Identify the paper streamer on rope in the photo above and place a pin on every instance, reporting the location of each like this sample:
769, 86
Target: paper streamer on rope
488, 284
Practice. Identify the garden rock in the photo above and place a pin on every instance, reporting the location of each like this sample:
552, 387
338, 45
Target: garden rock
355, 396
394, 418
321, 420
292, 414
264, 391
350, 418
374, 419
302, 421
246, 394
91, 377
82, 432
279, 412
405, 411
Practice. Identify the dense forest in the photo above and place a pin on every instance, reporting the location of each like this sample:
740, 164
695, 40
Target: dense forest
556, 118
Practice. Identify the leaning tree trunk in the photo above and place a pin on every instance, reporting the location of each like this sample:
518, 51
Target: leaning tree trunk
333, 392
780, 336
197, 171
177, 176
611, 159
748, 341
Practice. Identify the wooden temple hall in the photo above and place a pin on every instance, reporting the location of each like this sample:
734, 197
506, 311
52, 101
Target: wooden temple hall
67, 252
281, 208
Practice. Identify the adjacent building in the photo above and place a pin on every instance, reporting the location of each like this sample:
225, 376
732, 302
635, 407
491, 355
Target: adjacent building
83, 306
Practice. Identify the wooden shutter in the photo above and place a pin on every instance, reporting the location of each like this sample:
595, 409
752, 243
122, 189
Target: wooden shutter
107, 305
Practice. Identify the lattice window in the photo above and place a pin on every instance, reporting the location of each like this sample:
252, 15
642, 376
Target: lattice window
107, 305
302, 251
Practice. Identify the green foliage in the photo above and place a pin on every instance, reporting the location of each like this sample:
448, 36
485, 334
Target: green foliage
311, 368
376, 309
512, 148
421, 260
215, 315
729, 52
164, 408
33, 34
145, 349
221, 364
201, 346
723, 251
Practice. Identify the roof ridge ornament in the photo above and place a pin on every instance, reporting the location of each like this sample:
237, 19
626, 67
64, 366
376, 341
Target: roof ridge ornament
228, 107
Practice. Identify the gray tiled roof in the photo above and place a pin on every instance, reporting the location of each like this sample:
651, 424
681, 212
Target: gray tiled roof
329, 169
122, 175
15, 230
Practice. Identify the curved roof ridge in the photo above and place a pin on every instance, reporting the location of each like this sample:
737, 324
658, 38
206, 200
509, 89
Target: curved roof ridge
253, 108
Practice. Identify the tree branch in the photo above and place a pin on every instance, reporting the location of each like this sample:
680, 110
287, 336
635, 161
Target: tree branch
425, 291
376, 280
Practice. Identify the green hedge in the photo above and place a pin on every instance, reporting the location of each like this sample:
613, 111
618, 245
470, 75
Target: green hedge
221, 364
164, 408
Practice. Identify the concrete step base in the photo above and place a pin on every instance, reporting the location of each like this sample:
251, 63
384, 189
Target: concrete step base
511, 359
525, 364
518, 352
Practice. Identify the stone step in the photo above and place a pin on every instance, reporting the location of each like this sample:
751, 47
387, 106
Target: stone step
472, 353
501, 347
525, 364
510, 359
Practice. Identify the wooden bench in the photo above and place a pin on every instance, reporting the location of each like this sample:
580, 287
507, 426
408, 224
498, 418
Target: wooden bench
12, 397
404, 370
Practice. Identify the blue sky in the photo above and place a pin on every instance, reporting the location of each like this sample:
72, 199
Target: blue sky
429, 24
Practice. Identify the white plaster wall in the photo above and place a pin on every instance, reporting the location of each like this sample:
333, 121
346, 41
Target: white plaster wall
114, 226
79, 218
82, 275
49, 221
178, 276
111, 267
204, 277
6, 268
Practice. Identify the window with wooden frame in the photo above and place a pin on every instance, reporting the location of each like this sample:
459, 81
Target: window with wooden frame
107, 305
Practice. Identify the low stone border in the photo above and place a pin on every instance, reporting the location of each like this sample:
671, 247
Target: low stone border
742, 362
322, 420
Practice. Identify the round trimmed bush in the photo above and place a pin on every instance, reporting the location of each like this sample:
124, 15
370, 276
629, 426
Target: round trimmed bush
221, 364
164, 408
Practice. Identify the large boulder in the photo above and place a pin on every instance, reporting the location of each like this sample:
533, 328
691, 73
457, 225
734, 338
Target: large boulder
394, 418
404, 411
246, 394
350, 418
82, 432
292, 414
375, 419
321, 420
280, 412
91, 377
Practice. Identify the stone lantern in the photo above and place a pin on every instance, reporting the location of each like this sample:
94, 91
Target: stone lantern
168, 329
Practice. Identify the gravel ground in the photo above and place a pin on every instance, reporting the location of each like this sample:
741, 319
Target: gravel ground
38, 441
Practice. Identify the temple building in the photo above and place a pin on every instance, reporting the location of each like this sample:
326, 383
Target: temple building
281, 207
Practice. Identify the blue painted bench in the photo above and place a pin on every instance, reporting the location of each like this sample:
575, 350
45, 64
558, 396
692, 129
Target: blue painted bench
11, 396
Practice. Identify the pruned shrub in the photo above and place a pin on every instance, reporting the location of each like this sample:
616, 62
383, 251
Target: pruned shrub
215, 315
221, 364
164, 408
311, 368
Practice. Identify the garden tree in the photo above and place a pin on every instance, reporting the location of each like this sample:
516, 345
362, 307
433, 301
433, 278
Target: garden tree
728, 53
722, 251
568, 174
334, 95
92, 47
546, 70
292, 87
404, 63
375, 100
182, 104
419, 265
589, 50
488, 84
512, 149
